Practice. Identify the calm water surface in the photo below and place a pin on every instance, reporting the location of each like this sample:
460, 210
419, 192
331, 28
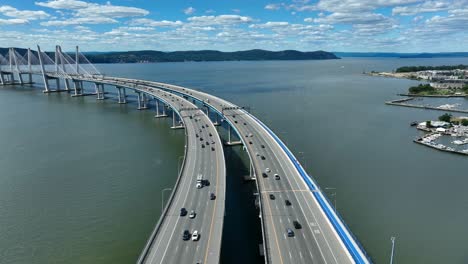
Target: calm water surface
80, 180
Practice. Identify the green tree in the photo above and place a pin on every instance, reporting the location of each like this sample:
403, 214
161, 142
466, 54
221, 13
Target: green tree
445, 117
464, 122
428, 124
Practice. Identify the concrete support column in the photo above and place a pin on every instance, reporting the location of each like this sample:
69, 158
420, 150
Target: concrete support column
57, 83
229, 134
139, 100
99, 91
124, 95
2, 79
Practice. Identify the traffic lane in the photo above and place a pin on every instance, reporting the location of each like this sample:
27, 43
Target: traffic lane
322, 223
203, 210
277, 219
192, 249
280, 186
167, 231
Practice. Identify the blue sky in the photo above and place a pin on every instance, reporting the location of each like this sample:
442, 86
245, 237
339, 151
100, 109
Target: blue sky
332, 25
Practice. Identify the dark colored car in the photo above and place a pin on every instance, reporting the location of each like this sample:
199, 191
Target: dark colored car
212, 148
290, 232
203, 145
212, 196
287, 202
196, 135
211, 135
272, 196
186, 235
202, 126
250, 142
201, 139
263, 157
235, 121
183, 212
245, 124
206, 182
264, 175
263, 146
297, 225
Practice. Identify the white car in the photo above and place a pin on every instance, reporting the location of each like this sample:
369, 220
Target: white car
195, 236
267, 170
192, 214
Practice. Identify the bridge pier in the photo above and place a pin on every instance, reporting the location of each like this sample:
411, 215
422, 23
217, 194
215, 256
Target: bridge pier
121, 95
141, 100
157, 109
174, 126
99, 91
229, 142
78, 87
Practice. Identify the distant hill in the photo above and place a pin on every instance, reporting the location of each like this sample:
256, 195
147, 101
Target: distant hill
206, 55
198, 55
401, 55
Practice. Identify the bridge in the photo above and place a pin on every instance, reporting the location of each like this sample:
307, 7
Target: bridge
298, 223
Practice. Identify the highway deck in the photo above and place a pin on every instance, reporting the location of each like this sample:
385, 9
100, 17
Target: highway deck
323, 237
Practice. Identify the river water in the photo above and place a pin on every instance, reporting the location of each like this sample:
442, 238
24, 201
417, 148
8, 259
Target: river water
81, 181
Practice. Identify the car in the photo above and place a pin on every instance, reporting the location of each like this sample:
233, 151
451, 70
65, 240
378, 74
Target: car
287, 202
235, 121
267, 170
192, 214
277, 177
297, 225
206, 182
212, 142
250, 135
263, 157
257, 154
263, 146
201, 139
195, 235
212, 196
200, 130
191, 117
272, 196
196, 135
250, 142
212, 149
207, 143
233, 116
202, 145
202, 126
210, 135
288, 231
264, 175
183, 212
186, 235
245, 124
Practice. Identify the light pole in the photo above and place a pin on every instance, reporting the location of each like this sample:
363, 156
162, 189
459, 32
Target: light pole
393, 249
162, 198
332, 194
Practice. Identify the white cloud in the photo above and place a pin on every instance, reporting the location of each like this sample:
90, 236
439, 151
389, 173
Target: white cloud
79, 21
189, 10
13, 21
111, 11
220, 20
153, 23
22, 14
349, 18
273, 6
85, 9
63, 4
429, 6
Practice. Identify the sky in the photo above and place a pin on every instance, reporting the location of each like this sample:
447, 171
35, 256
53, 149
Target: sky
229, 25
